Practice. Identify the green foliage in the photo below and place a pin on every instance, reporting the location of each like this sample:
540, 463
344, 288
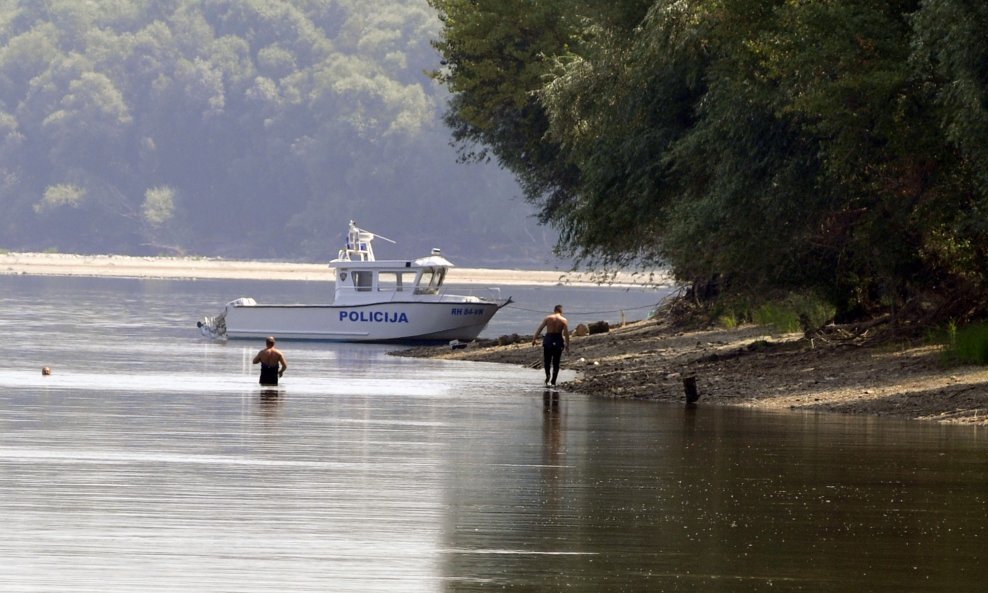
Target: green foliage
781, 318
496, 55
950, 53
827, 148
792, 312
159, 206
729, 320
968, 344
261, 126
59, 196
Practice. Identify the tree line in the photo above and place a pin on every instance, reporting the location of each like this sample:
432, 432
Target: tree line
244, 128
835, 147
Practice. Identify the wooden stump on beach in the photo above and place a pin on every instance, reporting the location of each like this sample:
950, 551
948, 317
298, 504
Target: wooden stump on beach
689, 387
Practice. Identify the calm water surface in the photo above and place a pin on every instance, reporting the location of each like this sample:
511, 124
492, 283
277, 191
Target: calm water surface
151, 461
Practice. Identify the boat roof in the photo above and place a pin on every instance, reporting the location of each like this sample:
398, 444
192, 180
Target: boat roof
431, 261
358, 253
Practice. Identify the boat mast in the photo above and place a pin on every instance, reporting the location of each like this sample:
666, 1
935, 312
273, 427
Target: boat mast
358, 244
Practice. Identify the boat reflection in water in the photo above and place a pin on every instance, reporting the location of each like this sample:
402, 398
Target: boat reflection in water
375, 301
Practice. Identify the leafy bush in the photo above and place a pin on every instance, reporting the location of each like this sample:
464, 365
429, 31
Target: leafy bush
728, 320
779, 315
969, 344
783, 313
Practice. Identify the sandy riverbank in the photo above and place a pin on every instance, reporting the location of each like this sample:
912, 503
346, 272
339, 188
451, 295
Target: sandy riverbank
57, 264
752, 366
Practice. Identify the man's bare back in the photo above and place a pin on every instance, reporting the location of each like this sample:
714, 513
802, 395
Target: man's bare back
554, 324
272, 361
271, 357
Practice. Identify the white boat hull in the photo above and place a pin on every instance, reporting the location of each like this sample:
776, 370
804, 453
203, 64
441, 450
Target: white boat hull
380, 322
399, 300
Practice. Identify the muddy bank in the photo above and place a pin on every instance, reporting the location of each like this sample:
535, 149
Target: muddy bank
752, 366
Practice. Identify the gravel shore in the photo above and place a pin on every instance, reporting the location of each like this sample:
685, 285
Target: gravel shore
753, 366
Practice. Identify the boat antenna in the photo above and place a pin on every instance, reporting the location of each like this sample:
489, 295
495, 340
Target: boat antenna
385, 238
376, 236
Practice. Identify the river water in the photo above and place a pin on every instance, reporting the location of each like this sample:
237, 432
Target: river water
151, 461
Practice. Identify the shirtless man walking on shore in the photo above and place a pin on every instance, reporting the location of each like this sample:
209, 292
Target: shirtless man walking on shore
271, 359
555, 341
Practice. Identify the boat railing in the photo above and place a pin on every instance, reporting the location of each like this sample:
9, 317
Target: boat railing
456, 294
452, 294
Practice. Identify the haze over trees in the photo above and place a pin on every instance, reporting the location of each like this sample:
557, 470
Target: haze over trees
836, 147
241, 128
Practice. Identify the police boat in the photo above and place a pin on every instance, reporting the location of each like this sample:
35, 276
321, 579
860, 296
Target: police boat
375, 301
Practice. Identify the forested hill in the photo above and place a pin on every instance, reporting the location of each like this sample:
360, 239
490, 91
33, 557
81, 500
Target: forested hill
240, 128
838, 147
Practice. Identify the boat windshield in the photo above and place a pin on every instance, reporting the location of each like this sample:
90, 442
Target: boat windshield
430, 281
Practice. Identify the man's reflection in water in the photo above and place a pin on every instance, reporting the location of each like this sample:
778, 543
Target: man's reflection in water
550, 400
552, 445
270, 400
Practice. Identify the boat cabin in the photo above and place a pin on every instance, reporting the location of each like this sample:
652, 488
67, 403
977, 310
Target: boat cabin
362, 279
374, 281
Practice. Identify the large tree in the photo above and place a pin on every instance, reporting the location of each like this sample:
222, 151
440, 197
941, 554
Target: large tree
836, 147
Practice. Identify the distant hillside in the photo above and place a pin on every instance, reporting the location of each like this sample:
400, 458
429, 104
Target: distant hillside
239, 128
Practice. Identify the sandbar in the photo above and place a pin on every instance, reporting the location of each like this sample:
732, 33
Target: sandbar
124, 266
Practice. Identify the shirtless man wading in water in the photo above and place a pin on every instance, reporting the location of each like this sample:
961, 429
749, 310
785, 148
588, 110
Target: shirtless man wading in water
271, 358
555, 341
